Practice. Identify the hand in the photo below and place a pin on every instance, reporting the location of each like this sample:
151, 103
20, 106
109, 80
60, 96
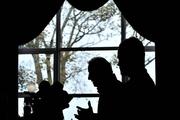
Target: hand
85, 113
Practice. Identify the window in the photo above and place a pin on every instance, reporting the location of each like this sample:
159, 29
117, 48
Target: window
62, 50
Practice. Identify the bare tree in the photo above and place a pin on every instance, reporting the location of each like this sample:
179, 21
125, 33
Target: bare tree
76, 27
26, 76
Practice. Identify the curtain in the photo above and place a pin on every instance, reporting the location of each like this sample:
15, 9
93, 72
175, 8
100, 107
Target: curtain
148, 18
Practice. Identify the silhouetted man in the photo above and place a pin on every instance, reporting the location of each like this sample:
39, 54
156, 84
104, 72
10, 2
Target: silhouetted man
109, 89
41, 101
138, 86
59, 100
50, 101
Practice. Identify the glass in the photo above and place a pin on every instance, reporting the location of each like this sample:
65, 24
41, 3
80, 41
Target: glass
100, 27
33, 68
79, 83
77, 73
82, 102
20, 106
150, 64
71, 110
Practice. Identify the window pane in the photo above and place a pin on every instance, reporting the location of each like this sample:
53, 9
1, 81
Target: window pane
82, 102
100, 27
77, 73
150, 64
20, 106
71, 110
32, 69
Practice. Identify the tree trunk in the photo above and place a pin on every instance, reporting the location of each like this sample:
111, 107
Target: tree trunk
37, 68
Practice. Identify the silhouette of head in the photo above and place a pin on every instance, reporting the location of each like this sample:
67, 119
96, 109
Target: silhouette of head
44, 85
131, 55
99, 71
57, 86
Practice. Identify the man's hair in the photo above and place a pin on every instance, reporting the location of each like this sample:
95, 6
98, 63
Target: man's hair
132, 47
100, 64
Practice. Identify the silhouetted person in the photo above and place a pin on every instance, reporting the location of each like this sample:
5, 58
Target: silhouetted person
41, 102
109, 88
139, 87
59, 101
27, 113
131, 55
27, 110
48, 103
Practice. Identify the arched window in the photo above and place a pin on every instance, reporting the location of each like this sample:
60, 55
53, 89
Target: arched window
62, 50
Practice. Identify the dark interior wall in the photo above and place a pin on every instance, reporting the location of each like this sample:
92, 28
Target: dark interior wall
8, 84
157, 22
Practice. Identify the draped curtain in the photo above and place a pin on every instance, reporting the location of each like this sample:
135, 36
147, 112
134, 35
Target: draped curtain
149, 18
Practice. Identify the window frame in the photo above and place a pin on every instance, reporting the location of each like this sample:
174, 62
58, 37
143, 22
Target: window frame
55, 51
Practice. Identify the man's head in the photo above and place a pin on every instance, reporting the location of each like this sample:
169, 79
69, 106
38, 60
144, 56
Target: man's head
44, 86
99, 71
131, 55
